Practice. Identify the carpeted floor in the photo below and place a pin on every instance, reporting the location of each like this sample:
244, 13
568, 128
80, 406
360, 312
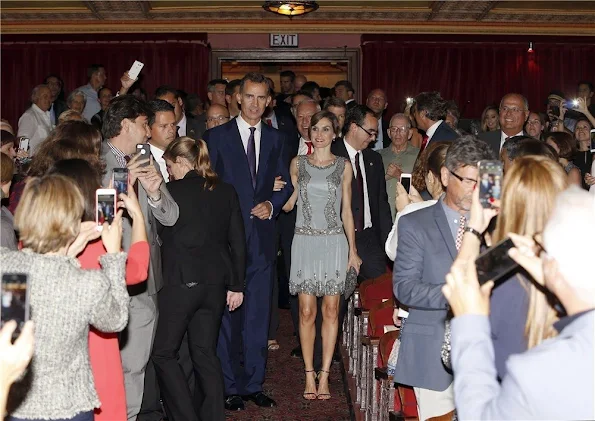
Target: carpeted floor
285, 384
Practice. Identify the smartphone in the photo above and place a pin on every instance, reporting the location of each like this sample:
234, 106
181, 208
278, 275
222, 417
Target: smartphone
571, 104
592, 141
120, 180
490, 182
23, 143
495, 263
135, 69
406, 182
144, 150
105, 206
14, 300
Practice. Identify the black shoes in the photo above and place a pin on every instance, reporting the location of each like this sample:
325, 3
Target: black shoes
260, 399
296, 352
234, 403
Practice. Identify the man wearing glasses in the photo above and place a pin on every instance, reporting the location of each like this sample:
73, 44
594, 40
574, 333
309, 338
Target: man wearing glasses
217, 115
514, 112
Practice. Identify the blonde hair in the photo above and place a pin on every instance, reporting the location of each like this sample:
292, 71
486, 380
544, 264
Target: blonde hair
529, 195
70, 115
484, 118
49, 213
197, 153
6, 169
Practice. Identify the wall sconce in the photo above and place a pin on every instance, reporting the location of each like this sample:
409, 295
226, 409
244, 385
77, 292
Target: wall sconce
290, 8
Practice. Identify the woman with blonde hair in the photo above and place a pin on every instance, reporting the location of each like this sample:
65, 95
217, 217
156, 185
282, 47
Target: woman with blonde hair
490, 119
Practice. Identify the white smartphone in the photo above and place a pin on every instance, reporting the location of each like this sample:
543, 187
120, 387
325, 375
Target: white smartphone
592, 140
23, 143
105, 206
406, 182
137, 66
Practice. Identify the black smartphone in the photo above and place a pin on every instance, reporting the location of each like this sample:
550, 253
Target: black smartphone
406, 182
144, 150
120, 180
592, 141
14, 300
495, 264
490, 182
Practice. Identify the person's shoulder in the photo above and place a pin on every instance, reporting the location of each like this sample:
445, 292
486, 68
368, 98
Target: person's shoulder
372, 155
419, 215
493, 134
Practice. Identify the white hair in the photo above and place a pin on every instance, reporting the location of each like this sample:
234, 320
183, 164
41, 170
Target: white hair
35, 92
73, 94
568, 237
306, 101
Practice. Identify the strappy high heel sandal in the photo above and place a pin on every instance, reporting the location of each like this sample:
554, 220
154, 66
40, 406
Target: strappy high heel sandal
323, 396
310, 396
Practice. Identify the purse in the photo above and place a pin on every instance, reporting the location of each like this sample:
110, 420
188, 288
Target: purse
350, 282
445, 351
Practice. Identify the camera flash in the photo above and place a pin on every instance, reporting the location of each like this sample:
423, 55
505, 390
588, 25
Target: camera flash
409, 100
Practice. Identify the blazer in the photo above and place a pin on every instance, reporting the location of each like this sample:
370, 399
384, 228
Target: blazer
228, 159
196, 126
444, 133
166, 212
207, 244
526, 391
350, 105
379, 207
425, 253
493, 140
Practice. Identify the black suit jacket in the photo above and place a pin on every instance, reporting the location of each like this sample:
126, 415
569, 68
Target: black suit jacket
444, 133
196, 126
493, 140
207, 244
351, 104
379, 207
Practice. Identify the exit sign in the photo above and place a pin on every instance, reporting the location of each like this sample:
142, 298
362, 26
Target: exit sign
284, 40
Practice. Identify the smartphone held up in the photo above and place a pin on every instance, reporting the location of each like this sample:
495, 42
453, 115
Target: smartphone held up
406, 182
490, 182
14, 300
144, 150
105, 206
120, 180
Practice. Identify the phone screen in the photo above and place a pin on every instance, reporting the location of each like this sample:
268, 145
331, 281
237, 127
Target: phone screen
121, 180
406, 182
106, 209
14, 300
144, 150
592, 140
23, 143
490, 182
495, 263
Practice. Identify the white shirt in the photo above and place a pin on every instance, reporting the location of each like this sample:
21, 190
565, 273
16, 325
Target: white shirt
380, 137
349, 100
352, 152
504, 136
158, 157
182, 126
244, 129
36, 125
303, 148
430, 132
92, 106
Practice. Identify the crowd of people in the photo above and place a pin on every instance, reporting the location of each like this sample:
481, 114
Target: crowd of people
257, 199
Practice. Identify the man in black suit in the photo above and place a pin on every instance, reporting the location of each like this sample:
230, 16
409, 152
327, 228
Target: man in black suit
344, 90
377, 102
188, 125
429, 111
58, 104
514, 112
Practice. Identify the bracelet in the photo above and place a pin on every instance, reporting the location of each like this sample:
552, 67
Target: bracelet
474, 232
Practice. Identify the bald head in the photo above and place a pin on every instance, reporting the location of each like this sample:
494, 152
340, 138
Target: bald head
514, 111
217, 115
299, 82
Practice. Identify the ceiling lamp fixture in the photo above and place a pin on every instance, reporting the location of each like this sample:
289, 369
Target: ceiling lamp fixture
290, 8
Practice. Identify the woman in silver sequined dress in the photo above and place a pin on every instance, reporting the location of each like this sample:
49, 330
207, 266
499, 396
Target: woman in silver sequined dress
323, 248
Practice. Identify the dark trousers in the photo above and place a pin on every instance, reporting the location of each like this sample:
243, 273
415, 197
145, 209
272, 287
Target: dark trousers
197, 311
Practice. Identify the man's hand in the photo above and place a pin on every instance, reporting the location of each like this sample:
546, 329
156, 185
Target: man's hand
14, 358
589, 179
262, 210
126, 83
234, 300
402, 199
524, 253
463, 292
148, 176
393, 171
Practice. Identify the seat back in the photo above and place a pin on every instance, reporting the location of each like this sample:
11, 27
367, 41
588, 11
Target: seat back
386, 346
376, 291
380, 315
407, 403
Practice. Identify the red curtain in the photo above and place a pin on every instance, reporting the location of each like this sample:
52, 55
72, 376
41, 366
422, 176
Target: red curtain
180, 60
475, 71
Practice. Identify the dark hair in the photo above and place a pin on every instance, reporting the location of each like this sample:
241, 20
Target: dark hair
159, 106
231, 86
103, 88
255, 78
7, 137
430, 159
453, 109
310, 87
142, 91
166, 89
212, 83
333, 101
6, 169
357, 115
86, 178
565, 143
511, 145
120, 108
191, 102
324, 114
347, 84
432, 103
289, 74
585, 82
195, 152
467, 151
94, 68
61, 93
534, 147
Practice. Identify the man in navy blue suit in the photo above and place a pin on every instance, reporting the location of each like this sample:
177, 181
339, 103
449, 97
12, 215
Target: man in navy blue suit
249, 155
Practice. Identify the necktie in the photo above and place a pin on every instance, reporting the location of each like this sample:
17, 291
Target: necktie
460, 232
177, 132
135, 186
424, 143
251, 155
310, 147
359, 219
269, 122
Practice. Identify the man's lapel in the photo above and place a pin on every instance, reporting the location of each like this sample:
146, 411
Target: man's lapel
236, 148
266, 145
442, 224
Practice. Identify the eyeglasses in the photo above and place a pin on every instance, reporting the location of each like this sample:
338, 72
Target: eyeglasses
396, 129
369, 133
513, 110
220, 118
465, 180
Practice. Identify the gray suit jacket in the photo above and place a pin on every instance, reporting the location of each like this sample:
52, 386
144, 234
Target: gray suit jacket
553, 381
425, 252
493, 140
166, 212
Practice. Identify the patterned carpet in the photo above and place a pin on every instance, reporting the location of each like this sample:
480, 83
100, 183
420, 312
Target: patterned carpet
285, 384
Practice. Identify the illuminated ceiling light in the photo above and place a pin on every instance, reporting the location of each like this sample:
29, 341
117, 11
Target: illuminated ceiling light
290, 8
530, 50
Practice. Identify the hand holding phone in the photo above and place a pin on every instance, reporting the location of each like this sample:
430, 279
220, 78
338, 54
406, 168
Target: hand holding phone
490, 182
495, 264
14, 300
24, 144
405, 180
105, 206
120, 180
144, 152
592, 140
135, 69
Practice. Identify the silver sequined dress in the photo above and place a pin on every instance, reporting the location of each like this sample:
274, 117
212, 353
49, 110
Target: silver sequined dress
319, 252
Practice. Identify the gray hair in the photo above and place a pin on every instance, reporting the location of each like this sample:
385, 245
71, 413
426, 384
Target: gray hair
73, 94
403, 116
306, 101
525, 101
467, 151
35, 92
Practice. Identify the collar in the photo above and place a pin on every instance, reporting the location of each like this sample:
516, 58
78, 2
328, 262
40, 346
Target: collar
243, 124
39, 110
119, 155
432, 129
350, 150
183, 121
565, 321
156, 151
504, 136
451, 214
349, 100
192, 174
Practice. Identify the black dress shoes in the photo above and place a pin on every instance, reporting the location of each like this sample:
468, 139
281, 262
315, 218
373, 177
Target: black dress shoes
296, 352
234, 403
260, 399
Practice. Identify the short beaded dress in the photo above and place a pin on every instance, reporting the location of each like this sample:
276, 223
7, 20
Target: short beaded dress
319, 252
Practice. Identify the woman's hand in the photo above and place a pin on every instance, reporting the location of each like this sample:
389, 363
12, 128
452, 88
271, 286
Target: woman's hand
111, 235
14, 358
589, 179
581, 107
414, 195
234, 300
463, 292
130, 203
480, 217
524, 253
279, 184
354, 261
22, 154
88, 232
402, 199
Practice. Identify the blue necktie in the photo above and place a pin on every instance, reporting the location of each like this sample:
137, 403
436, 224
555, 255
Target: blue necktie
251, 154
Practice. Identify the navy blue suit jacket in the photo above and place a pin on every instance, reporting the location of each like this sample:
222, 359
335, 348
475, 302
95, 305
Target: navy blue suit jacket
228, 159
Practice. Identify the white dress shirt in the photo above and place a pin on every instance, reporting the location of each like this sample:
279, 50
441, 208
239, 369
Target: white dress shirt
351, 151
349, 100
379, 145
36, 125
244, 129
182, 126
504, 136
158, 157
430, 132
303, 148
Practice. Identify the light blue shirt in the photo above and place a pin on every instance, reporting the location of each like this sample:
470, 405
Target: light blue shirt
92, 106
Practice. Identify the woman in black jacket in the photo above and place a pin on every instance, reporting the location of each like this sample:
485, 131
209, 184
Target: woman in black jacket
204, 257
